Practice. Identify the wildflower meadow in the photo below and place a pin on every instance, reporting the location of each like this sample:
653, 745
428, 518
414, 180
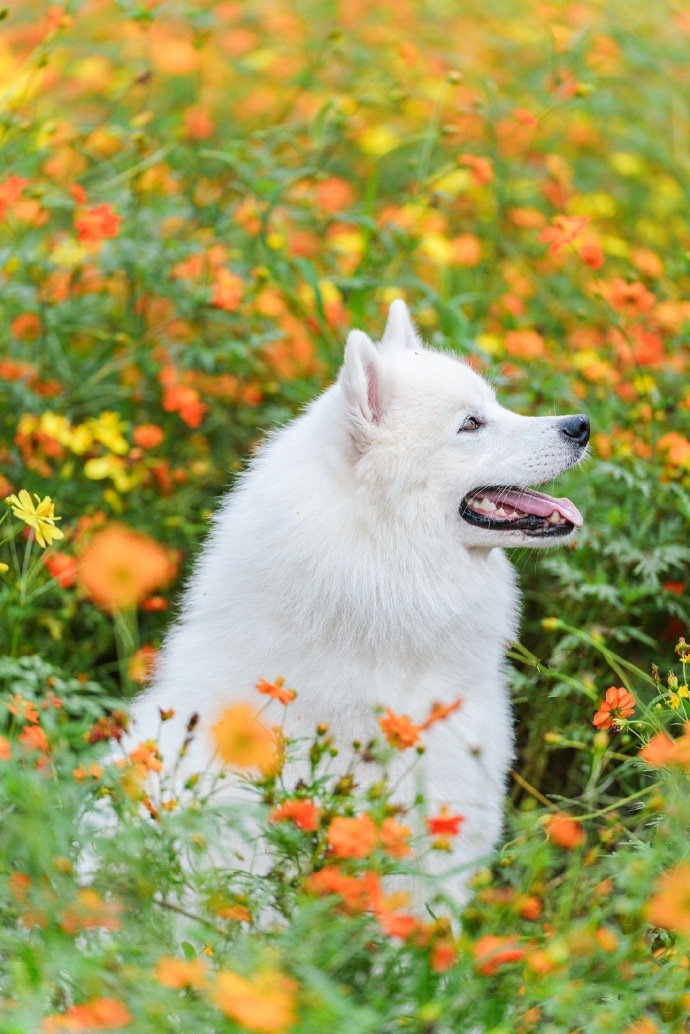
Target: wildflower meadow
197, 202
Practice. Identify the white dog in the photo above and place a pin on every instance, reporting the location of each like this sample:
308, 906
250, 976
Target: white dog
359, 557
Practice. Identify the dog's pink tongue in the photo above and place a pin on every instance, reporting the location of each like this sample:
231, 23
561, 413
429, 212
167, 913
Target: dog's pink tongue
537, 503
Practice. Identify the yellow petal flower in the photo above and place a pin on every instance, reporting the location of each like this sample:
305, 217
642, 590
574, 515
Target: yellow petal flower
40, 516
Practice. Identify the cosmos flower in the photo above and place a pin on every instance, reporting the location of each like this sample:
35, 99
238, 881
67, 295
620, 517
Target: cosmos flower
265, 1003
352, 837
618, 703
121, 567
40, 516
243, 741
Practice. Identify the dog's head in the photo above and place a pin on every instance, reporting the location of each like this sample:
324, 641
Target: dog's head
427, 431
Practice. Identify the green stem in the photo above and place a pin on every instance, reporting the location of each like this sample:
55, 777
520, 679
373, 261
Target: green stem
619, 804
126, 631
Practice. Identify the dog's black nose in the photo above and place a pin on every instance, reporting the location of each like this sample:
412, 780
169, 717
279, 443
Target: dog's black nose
576, 428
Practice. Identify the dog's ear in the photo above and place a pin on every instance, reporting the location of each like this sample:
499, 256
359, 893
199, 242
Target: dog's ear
400, 331
361, 383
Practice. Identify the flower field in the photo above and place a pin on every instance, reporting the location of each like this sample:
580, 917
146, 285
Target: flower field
197, 201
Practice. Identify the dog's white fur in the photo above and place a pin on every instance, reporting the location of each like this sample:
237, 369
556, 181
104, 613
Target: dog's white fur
340, 562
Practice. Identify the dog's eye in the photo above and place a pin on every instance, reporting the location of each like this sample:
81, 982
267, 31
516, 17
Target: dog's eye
470, 423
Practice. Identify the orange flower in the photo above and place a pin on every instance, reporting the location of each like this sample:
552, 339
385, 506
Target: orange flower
148, 436
618, 703
443, 955
97, 224
141, 664
233, 910
491, 952
670, 905
524, 117
34, 738
481, 168
395, 838
276, 690
525, 344
400, 731
647, 262
243, 741
80, 773
662, 750
180, 973
333, 195
465, 250
352, 838
10, 191
178, 398
5, 749
90, 912
645, 1025
330, 880
359, 893
439, 713
676, 447
444, 824
198, 124
22, 708
562, 231
52, 700
121, 567
526, 218
110, 727
62, 567
19, 883
147, 757
630, 299
227, 290
304, 814
397, 924
264, 1003
26, 327
98, 1014
565, 831
591, 254
528, 906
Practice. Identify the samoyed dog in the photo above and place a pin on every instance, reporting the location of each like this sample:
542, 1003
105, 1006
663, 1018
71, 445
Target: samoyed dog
361, 558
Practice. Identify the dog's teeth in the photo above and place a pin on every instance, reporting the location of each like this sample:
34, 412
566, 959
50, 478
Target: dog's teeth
501, 512
555, 517
483, 505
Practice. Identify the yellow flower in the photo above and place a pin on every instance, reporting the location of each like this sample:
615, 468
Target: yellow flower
4, 568
108, 430
56, 426
68, 254
80, 440
377, 140
40, 517
100, 467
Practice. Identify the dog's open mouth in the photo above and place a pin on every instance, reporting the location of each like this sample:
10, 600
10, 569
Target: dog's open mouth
513, 508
